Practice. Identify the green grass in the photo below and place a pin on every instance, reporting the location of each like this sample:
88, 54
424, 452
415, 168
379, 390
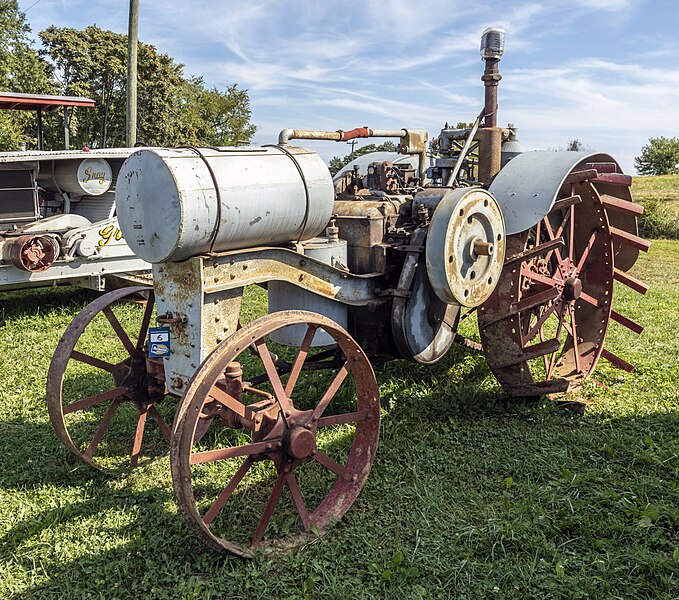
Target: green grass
660, 197
470, 495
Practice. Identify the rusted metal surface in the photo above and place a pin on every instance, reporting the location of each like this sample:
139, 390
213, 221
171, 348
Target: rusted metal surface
422, 325
136, 379
544, 327
277, 431
32, 253
237, 269
464, 219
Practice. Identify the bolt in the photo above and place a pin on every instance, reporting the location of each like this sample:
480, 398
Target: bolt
354, 478
307, 426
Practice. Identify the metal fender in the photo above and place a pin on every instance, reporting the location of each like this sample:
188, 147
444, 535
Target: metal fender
527, 187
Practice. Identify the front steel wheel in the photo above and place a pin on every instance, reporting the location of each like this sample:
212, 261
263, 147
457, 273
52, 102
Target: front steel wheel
265, 448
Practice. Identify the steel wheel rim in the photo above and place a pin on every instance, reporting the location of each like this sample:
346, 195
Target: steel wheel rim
347, 485
120, 391
580, 277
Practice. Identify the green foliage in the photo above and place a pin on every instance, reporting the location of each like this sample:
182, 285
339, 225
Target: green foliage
212, 117
171, 110
338, 162
575, 145
660, 198
659, 157
21, 71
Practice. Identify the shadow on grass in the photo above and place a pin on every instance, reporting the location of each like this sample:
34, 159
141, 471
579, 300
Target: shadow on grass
503, 484
22, 303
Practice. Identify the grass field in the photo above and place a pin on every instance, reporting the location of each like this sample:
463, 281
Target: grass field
660, 197
470, 496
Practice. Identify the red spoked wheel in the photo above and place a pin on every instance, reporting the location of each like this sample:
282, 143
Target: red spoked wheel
101, 387
288, 445
544, 327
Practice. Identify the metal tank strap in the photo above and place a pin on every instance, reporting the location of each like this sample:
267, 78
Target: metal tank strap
306, 186
215, 229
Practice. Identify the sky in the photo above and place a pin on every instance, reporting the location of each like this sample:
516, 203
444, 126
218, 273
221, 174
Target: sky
605, 72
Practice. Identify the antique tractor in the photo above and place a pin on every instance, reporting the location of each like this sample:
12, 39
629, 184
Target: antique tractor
379, 264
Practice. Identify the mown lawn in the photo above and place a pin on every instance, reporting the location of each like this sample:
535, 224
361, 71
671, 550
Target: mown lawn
470, 496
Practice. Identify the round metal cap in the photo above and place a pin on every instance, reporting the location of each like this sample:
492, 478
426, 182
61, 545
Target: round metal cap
465, 247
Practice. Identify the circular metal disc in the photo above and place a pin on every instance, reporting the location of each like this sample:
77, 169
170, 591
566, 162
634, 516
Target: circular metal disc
423, 326
465, 247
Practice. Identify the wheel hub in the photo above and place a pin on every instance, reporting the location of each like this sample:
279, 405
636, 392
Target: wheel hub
300, 442
572, 288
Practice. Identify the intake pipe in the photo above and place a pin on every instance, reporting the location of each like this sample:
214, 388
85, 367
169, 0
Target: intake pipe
412, 141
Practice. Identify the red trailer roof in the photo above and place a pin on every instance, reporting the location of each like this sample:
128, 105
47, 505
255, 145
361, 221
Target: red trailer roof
11, 101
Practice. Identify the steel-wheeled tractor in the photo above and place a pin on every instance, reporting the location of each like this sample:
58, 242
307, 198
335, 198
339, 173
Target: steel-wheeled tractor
277, 421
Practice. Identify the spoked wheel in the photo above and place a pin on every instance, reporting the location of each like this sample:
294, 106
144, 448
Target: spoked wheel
291, 442
101, 387
543, 328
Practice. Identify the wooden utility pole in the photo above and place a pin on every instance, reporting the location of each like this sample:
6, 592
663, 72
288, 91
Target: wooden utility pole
132, 38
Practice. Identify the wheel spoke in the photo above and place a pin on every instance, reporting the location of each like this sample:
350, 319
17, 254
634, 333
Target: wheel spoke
274, 378
268, 510
550, 232
101, 430
332, 390
94, 400
574, 335
585, 252
146, 321
231, 403
589, 299
552, 359
341, 419
138, 437
156, 416
566, 220
540, 322
299, 360
118, 328
298, 500
231, 452
571, 241
329, 463
227, 491
92, 361
539, 277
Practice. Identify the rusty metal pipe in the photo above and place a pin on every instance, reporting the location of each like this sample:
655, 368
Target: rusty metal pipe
491, 78
337, 136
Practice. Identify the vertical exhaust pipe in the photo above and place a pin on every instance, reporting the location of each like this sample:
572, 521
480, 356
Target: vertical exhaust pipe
490, 136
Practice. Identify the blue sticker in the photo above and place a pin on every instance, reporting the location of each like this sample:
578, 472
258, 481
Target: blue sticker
159, 342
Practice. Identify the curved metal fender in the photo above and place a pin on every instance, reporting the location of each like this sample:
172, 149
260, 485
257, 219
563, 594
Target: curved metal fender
527, 187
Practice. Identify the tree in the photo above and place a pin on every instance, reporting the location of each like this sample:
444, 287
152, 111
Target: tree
659, 157
215, 118
337, 162
172, 110
575, 145
21, 70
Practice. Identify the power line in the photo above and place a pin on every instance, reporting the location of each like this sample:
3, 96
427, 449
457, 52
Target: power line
32, 5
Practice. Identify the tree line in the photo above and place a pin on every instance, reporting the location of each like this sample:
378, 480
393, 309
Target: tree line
173, 108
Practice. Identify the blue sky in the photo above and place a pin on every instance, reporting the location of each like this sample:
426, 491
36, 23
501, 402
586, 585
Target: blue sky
603, 71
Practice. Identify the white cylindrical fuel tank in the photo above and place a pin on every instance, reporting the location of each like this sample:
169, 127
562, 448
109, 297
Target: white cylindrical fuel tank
285, 296
84, 177
176, 203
